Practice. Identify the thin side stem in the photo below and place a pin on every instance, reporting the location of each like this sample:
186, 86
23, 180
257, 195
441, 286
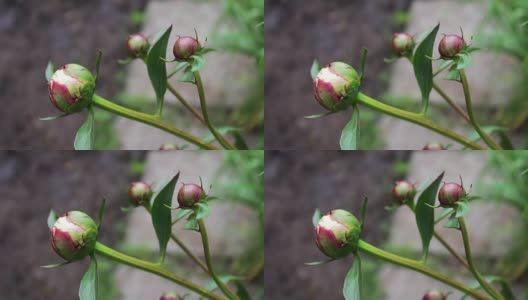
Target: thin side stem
469, 107
450, 249
197, 260
152, 120
483, 283
208, 260
419, 267
416, 119
203, 104
187, 105
452, 103
154, 269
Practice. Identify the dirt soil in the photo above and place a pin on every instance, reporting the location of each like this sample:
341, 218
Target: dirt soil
299, 182
297, 32
36, 31
32, 183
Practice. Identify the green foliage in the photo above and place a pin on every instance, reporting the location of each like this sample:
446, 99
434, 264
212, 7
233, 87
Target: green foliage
136, 17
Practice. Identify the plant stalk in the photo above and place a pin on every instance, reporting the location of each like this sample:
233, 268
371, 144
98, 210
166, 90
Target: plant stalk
154, 269
197, 260
208, 260
187, 105
483, 283
450, 249
416, 119
205, 113
469, 107
452, 103
152, 120
419, 267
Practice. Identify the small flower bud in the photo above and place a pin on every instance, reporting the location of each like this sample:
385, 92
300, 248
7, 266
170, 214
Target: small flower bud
402, 43
333, 82
434, 294
169, 146
434, 146
337, 233
403, 191
73, 236
71, 88
139, 193
185, 47
450, 193
189, 195
450, 45
169, 296
137, 45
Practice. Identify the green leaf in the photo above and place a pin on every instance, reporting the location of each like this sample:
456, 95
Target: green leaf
445, 64
161, 215
321, 115
84, 139
53, 117
192, 223
453, 74
314, 70
321, 262
242, 291
352, 286
423, 66
425, 214
179, 66
182, 214
98, 64
505, 141
316, 217
187, 76
240, 142
445, 212
50, 69
156, 67
452, 222
462, 208
364, 210
464, 60
52, 218
202, 210
100, 214
56, 265
197, 63
89, 285
350, 134
525, 64
506, 291
362, 65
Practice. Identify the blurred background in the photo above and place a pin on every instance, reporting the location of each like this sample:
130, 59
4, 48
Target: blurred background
299, 182
37, 31
298, 31
32, 183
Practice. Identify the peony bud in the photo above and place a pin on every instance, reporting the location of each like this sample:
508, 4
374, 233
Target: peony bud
434, 294
137, 45
337, 233
185, 47
333, 83
139, 193
73, 236
450, 45
189, 194
169, 146
169, 296
403, 191
402, 43
71, 88
450, 193
434, 146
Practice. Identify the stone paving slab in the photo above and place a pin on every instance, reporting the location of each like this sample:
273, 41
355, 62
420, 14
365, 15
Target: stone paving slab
490, 225
490, 76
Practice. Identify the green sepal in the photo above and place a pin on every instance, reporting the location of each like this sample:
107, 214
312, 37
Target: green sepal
453, 74
201, 209
52, 218
316, 217
88, 289
321, 262
52, 266
187, 75
314, 70
50, 69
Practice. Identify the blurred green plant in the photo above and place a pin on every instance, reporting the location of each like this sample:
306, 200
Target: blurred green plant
509, 185
246, 186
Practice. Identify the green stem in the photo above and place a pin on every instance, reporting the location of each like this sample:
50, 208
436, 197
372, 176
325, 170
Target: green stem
452, 103
205, 113
450, 249
483, 283
419, 267
154, 269
152, 120
189, 253
187, 105
208, 260
469, 106
416, 119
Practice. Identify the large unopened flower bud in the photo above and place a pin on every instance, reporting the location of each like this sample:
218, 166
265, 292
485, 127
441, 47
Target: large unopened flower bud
139, 193
450, 45
402, 43
169, 296
450, 193
73, 236
185, 47
434, 146
137, 45
333, 83
434, 294
189, 195
337, 233
403, 191
71, 88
